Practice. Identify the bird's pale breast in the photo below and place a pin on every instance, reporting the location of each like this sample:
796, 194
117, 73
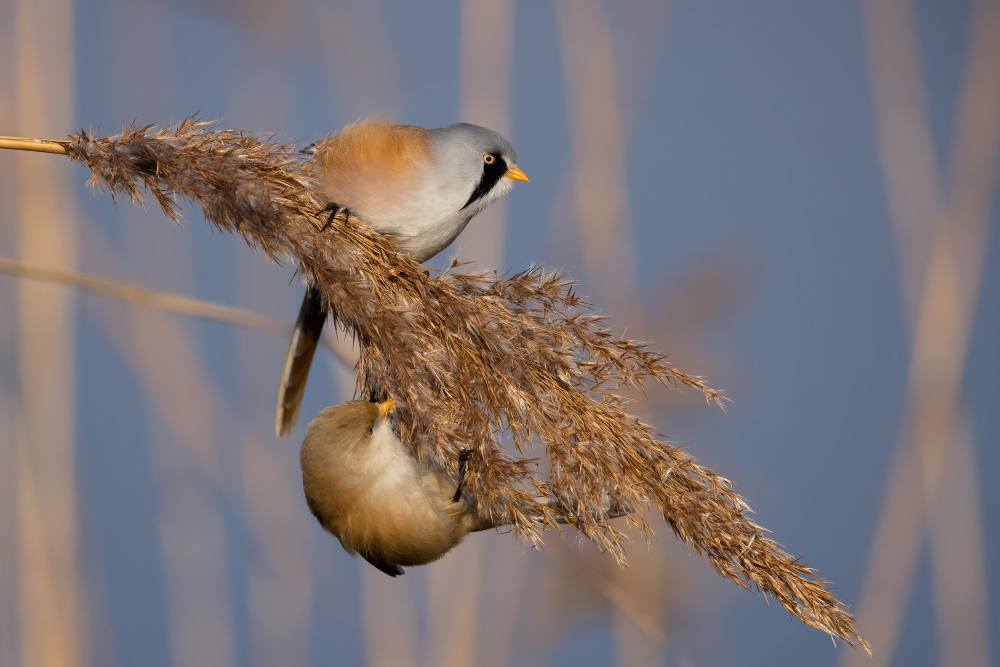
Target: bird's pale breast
376, 499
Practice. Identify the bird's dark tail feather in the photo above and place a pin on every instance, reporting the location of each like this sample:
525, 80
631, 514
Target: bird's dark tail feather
298, 359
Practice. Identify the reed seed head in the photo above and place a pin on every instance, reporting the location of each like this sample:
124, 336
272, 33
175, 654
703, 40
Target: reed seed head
475, 359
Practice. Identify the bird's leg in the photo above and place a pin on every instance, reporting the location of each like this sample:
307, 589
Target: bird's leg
333, 209
330, 208
463, 460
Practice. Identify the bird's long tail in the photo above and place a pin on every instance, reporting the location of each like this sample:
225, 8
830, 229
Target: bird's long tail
298, 359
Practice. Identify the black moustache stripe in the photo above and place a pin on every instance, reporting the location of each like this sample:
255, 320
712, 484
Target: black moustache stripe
492, 173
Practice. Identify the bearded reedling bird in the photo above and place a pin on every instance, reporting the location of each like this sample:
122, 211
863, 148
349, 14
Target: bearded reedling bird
371, 492
419, 187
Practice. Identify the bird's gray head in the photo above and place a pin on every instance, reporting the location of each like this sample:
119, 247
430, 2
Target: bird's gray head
480, 158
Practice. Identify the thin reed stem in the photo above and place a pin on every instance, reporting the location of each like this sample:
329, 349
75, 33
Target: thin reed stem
37, 145
177, 303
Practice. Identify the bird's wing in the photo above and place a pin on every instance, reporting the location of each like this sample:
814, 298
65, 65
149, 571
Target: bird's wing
372, 167
301, 348
384, 564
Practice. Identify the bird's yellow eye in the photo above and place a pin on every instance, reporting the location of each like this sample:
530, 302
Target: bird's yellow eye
489, 159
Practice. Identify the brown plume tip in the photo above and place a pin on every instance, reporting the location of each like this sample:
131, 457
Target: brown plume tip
472, 357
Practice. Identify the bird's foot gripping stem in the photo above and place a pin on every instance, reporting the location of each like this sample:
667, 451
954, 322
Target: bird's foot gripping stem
463, 461
333, 209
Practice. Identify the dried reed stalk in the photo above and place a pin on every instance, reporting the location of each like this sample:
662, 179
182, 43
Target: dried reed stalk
475, 358
148, 297
170, 301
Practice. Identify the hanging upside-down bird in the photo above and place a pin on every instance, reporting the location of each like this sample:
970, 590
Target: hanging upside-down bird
382, 502
370, 491
419, 187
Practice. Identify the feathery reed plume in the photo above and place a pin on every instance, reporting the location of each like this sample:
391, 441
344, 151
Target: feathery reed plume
475, 357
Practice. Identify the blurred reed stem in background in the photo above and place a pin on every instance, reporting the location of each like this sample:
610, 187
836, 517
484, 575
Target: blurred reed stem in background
50, 595
940, 229
597, 103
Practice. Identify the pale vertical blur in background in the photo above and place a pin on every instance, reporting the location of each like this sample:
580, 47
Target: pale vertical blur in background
797, 200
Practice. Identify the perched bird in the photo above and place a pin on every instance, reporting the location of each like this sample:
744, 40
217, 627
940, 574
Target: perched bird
417, 186
370, 491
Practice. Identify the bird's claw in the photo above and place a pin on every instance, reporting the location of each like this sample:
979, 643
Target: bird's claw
463, 460
333, 209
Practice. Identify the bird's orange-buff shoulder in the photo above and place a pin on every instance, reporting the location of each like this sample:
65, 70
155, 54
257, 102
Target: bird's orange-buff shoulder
374, 143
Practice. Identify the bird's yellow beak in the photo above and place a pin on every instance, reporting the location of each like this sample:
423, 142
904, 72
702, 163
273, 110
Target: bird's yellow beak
516, 174
383, 408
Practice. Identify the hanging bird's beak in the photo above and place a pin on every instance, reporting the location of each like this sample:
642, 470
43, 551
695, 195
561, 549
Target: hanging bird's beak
383, 408
516, 173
